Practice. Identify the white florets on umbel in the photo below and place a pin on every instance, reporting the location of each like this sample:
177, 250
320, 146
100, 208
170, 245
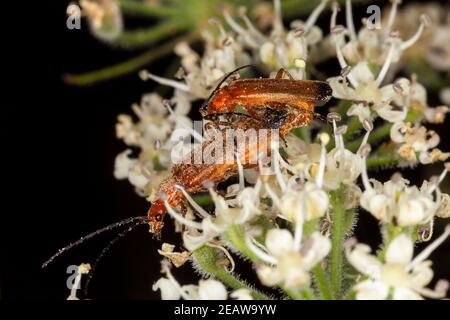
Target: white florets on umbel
287, 260
398, 203
416, 140
282, 48
373, 44
400, 276
208, 289
371, 47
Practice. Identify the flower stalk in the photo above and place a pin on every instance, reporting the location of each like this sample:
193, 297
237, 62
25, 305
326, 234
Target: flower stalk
322, 282
337, 201
126, 67
207, 258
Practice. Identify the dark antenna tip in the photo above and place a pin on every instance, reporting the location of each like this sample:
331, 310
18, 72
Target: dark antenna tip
91, 235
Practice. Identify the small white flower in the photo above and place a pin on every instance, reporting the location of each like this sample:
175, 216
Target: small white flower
416, 139
282, 49
241, 294
397, 202
211, 290
444, 207
406, 278
376, 44
342, 166
201, 74
122, 164
301, 203
211, 226
436, 114
386, 101
361, 110
169, 291
289, 260
137, 178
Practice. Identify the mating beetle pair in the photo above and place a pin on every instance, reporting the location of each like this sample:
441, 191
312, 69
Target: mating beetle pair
278, 103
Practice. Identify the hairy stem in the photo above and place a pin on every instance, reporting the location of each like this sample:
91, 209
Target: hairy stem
299, 294
236, 236
292, 8
322, 282
126, 67
207, 258
337, 237
376, 161
353, 125
141, 9
377, 135
145, 37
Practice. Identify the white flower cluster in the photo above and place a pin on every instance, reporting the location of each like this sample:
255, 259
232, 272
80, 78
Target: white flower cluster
292, 219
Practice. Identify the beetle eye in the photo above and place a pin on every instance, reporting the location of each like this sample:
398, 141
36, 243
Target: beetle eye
158, 217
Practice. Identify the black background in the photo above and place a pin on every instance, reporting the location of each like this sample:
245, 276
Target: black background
58, 154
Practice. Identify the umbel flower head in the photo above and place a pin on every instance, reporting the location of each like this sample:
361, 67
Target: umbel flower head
289, 216
400, 276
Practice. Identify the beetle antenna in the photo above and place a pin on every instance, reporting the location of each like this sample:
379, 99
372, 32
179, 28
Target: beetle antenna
107, 248
112, 226
225, 78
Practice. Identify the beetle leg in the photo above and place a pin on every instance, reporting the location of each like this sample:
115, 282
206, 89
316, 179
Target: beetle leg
282, 72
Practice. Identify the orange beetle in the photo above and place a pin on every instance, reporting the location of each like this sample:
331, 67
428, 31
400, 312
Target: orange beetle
269, 103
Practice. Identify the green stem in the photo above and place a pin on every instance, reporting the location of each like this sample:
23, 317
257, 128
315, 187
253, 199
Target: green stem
203, 200
299, 294
380, 161
351, 295
145, 37
140, 9
337, 237
352, 126
377, 135
127, 66
308, 294
429, 77
207, 258
236, 236
291, 8
293, 294
322, 282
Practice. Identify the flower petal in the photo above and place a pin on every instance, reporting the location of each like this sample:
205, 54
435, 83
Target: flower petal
279, 241
241, 294
168, 290
319, 247
211, 290
361, 72
371, 290
360, 258
400, 250
405, 294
